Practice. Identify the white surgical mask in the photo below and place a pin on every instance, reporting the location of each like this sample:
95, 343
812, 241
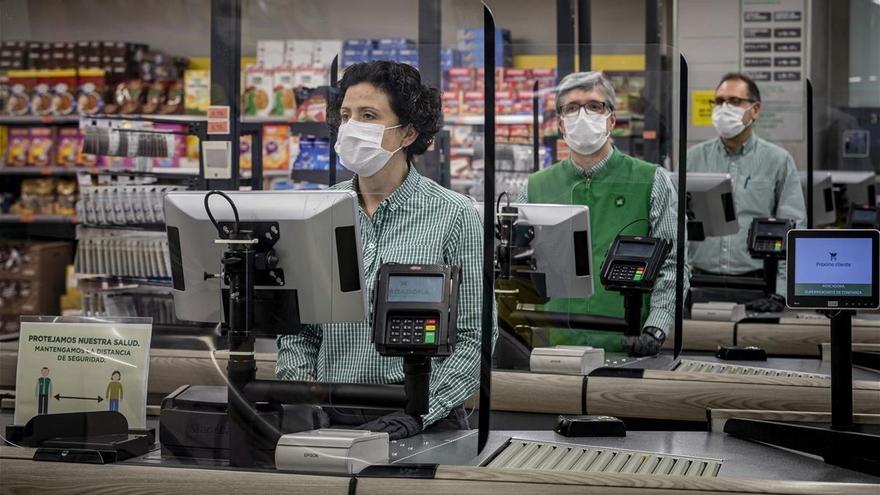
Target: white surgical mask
728, 120
586, 132
359, 146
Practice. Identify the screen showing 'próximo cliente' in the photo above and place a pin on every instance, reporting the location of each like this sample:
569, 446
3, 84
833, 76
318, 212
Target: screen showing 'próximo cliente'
828, 267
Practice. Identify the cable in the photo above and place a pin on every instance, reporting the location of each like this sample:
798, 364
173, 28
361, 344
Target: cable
631, 223
498, 201
213, 220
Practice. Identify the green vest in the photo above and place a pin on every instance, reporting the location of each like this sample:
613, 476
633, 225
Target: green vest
617, 194
43, 385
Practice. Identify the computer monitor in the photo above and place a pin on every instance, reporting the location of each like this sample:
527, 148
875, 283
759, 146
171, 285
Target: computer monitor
318, 249
824, 212
863, 217
561, 249
833, 269
855, 187
710, 208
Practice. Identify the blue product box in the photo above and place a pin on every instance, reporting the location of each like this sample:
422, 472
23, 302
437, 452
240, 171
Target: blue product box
357, 43
321, 154
304, 159
395, 43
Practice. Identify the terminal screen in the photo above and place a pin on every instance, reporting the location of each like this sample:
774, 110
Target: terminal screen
833, 267
416, 289
636, 249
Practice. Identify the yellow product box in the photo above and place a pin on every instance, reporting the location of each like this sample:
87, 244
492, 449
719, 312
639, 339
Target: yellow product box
197, 91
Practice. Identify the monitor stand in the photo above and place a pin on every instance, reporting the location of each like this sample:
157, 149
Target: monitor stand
844, 443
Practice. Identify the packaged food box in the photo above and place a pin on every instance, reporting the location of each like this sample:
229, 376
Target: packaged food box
257, 91
69, 144
245, 144
18, 147
40, 152
21, 82
90, 92
283, 97
197, 91
63, 92
276, 152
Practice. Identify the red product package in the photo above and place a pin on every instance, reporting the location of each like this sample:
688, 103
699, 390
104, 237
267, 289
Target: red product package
21, 82
451, 101
41, 96
504, 102
473, 103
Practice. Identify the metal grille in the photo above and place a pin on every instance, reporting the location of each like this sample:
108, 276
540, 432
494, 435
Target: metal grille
731, 369
527, 454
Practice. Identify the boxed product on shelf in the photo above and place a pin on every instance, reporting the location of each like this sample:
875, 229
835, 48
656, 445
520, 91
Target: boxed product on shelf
270, 53
276, 147
470, 43
62, 92
90, 92
305, 156
69, 146
21, 82
473, 103
41, 95
299, 53
324, 51
520, 133
41, 147
451, 101
312, 105
258, 91
245, 144
197, 91
321, 153
460, 79
46, 196
19, 146
283, 96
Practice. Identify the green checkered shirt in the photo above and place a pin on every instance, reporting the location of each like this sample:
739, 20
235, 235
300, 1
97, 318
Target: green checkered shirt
664, 224
765, 184
420, 222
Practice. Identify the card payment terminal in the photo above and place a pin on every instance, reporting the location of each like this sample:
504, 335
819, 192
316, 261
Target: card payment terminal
633, 262
415, 309
767, 237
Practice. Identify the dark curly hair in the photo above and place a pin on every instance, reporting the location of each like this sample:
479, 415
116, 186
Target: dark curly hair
413, 102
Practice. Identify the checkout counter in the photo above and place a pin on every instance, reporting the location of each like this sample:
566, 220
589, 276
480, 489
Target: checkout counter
709, 462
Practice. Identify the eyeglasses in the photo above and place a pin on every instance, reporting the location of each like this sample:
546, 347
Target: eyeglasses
733, 101
592, 106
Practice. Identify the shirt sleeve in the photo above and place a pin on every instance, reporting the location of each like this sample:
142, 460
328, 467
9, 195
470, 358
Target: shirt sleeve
664, 224
456, 377
524, 194
789, 204
298, 354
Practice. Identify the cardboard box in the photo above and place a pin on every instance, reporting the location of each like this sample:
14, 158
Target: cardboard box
197, 91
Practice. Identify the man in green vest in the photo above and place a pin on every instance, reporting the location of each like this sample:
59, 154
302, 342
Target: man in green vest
43, 391
625, 195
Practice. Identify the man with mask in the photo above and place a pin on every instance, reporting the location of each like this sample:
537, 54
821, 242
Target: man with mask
625, 195
766, 184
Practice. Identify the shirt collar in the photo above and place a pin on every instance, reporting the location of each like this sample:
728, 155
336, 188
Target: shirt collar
598, 167
403, 192
746, 148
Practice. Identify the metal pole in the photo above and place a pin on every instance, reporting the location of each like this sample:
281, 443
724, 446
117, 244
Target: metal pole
682, 205
331, 93
564, 38
810, 197
225, 74
488, 228
536, 131
651, 134
841, 371
585, 47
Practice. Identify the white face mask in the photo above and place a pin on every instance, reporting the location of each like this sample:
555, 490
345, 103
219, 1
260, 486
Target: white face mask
586, 133
359, 146
728, 120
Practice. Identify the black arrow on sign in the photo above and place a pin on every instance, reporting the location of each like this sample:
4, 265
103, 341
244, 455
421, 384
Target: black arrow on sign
59, 397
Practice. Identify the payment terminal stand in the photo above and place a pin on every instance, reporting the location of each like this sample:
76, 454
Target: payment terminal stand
251, 258
631, 267
766, 242
812, 284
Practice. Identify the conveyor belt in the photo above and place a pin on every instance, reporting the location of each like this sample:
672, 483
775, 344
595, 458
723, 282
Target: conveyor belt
527, 454
689, 366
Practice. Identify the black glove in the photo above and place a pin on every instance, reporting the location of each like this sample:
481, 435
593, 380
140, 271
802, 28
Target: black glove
397, 425
648, 343
771, 304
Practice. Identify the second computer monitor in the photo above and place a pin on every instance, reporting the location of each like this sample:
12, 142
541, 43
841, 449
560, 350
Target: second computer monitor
824, 212
710, 206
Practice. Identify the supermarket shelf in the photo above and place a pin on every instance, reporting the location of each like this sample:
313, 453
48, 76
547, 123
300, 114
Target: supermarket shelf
151, 118
479, 119
151, 227
41, 171
9, 218
267, 174
165, 173
107, 282
38, 120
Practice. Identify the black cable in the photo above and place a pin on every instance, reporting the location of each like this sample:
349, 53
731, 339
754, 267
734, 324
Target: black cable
633, 222
213, 220
498, 201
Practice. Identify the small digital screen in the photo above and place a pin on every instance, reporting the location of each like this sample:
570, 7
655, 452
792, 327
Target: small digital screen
863, 216
833, 267
636, 249
421, 288
772, 229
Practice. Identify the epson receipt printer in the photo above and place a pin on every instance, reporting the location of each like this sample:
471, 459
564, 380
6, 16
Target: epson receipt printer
331, 451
